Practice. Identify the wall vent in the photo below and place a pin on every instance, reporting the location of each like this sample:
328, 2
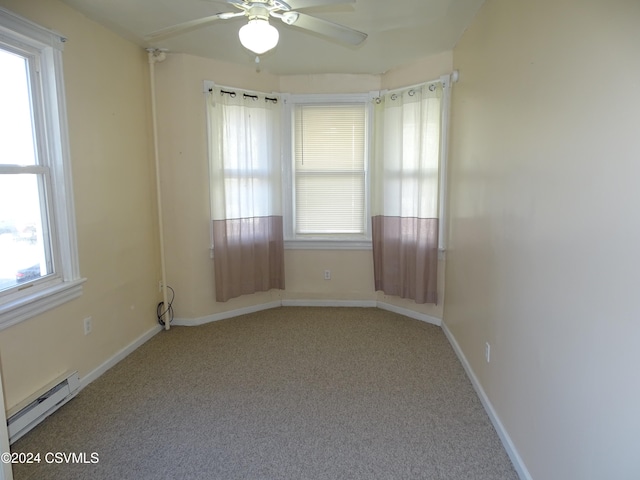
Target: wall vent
29, 413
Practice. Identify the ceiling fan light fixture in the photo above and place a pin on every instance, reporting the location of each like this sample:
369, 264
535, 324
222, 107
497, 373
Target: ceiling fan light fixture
259, 36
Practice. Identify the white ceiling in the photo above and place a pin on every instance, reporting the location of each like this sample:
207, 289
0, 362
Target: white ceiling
400, 32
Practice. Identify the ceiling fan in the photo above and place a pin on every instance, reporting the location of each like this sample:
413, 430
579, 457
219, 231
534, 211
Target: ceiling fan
258, 35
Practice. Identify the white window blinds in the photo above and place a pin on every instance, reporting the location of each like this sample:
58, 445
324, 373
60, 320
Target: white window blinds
329, 169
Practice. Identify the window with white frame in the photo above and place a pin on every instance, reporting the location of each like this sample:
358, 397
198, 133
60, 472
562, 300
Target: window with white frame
328, 194
38, 253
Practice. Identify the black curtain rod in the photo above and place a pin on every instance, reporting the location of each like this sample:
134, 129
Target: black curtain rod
246, 95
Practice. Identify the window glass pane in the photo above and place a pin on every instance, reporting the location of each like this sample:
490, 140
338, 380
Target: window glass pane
248, 197
16, 128
24, 253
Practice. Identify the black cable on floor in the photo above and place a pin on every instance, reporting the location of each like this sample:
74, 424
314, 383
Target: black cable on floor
162, 312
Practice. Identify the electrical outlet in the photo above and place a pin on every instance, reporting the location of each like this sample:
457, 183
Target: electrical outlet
327, 274
87, 325
487, 352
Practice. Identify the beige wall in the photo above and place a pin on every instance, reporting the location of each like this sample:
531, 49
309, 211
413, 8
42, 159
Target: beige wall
184, 169
106, 81
543, 257
426, 68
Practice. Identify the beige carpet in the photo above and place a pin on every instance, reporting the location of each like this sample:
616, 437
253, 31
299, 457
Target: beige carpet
289, 393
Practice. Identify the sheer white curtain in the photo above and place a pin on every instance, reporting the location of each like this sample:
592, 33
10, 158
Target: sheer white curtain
246, 206
405, 192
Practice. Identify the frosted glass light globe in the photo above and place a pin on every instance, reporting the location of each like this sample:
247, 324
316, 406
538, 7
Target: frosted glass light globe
259, 36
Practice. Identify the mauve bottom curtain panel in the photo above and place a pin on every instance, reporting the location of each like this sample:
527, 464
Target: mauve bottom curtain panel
405, 257
248, 256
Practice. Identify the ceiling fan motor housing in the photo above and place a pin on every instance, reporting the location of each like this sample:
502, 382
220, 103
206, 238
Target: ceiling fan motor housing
258, 11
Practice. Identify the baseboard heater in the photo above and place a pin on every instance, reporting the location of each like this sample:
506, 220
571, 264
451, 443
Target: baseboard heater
33, 410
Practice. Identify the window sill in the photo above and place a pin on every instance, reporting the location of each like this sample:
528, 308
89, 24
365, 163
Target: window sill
38, 302
327, 245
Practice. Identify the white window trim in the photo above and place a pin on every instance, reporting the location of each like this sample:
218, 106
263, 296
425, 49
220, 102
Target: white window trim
322, 242
40, 296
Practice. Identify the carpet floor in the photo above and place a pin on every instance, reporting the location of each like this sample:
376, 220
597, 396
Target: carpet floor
283, 394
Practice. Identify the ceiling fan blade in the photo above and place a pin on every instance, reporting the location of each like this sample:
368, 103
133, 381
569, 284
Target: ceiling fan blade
300, 4
281, 5
326, 28
190, 25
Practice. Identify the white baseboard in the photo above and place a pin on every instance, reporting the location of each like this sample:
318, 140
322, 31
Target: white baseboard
409, 313
94, 374
518, 464
193, 322
329, 303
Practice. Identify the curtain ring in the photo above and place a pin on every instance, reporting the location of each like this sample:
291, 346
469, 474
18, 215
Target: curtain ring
394, 96
378, 100
432, 88
412, 92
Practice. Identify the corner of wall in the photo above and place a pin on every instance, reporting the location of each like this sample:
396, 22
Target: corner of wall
422, 70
